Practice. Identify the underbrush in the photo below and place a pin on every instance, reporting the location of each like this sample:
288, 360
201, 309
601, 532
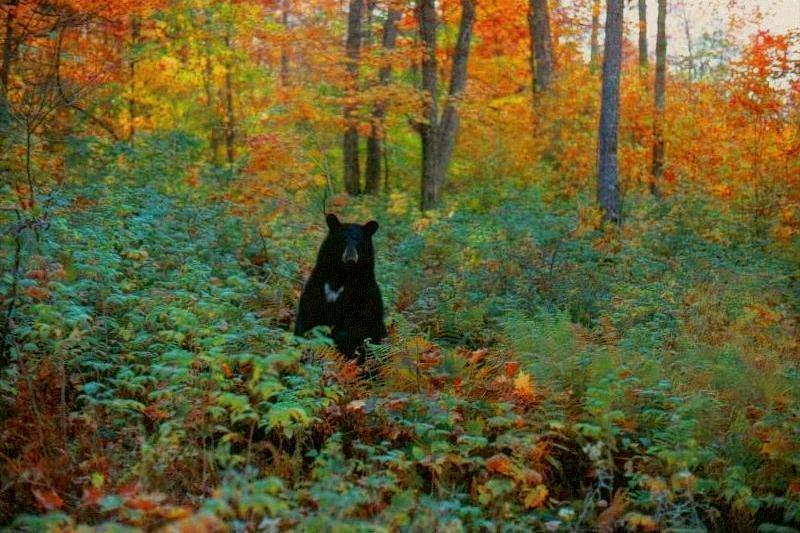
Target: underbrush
540, 374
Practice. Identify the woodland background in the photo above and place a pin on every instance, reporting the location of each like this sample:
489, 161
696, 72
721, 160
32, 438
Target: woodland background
588, 252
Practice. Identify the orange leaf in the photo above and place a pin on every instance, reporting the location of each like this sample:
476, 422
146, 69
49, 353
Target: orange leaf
48, 499
349, 371
141, 503
477, 356
91, 495
536, 497
609, 517
641, 522
128, 490
39, 275
154, 413
428, 359
38, 293
175, 513
340, 200
511, 368
499, 464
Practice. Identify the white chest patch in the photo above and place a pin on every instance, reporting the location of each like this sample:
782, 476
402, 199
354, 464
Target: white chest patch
331, 295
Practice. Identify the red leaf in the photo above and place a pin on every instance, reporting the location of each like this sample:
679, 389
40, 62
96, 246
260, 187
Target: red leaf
511, 369
141, 503
92, 495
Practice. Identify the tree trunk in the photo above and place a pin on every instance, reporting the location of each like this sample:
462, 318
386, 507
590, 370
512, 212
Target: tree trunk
352, 173
608, 185
541, 45
5, 73
229, 129
213, 122
135, 30
595, 38
438, 135
284, 45
689, 46
659, 91
8, 51
377, 136
458, 83
643, 61
366, 34
429, 186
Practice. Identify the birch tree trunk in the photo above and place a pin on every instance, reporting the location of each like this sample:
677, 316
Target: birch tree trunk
608, 182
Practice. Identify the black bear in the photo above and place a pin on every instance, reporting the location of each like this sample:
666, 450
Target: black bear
342, 292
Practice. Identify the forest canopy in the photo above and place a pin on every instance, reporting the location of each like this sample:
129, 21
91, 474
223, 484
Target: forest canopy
588, 255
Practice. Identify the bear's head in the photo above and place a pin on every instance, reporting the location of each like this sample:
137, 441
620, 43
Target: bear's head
348, 246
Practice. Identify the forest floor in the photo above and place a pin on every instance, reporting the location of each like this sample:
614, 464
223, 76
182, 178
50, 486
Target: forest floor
541, 373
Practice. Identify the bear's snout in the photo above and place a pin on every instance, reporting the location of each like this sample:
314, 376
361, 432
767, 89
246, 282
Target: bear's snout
350, 255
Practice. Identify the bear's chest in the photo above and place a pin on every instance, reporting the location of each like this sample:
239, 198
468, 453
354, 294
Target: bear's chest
332, 293
340, 302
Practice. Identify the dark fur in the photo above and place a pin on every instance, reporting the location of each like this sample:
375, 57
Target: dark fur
357, 314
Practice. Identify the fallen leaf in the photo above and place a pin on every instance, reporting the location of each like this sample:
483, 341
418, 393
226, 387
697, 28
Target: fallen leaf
523, 386
641, 522
39, 275
91, 495
37, 293
536, 497
356, 405
128, 490
477, 356
397, 404
141, 503
48, 499
349, 372
609, 517
532, 477
511, 368
172, 512
499, 463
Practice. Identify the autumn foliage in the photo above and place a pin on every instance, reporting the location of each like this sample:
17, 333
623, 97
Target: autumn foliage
164, 169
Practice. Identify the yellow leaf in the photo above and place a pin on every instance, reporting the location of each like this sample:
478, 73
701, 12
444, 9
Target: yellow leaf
523, 386
536, 497
641, 522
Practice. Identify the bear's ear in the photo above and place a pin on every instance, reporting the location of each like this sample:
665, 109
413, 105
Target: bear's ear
333, 221
371, 227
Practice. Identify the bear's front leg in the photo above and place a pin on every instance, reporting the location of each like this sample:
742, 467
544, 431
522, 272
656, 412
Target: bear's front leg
345, 341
